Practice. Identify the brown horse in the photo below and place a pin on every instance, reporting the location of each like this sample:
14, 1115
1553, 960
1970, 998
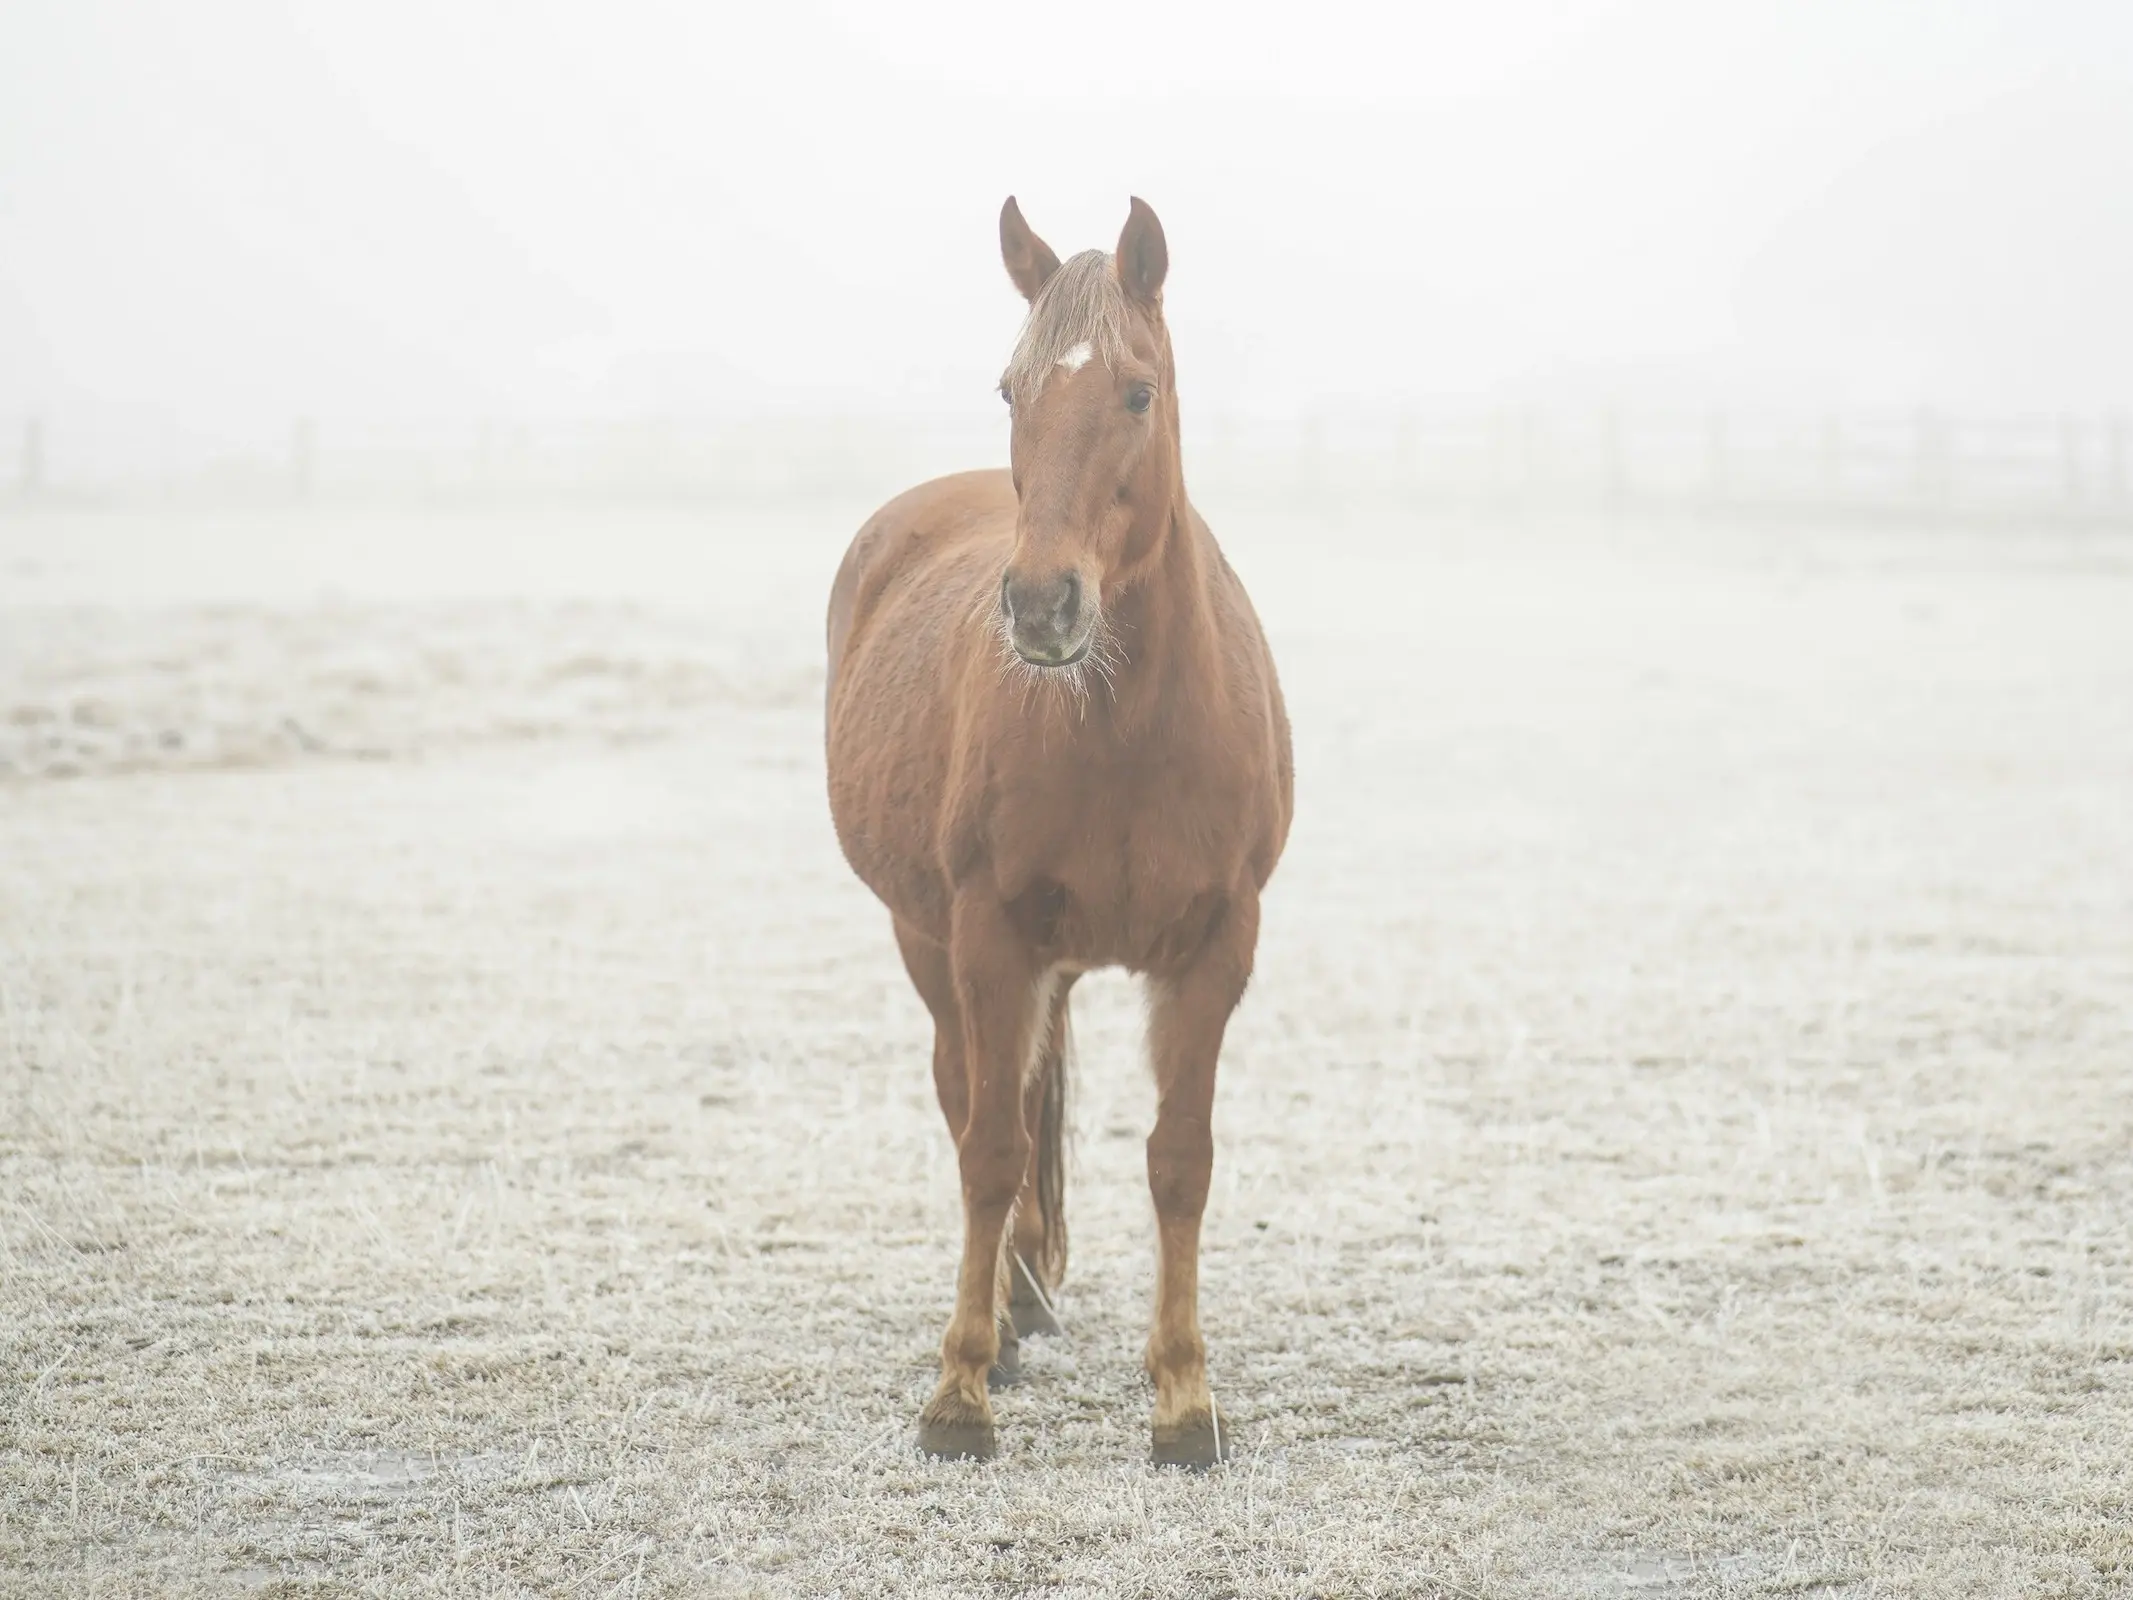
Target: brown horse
1056, 743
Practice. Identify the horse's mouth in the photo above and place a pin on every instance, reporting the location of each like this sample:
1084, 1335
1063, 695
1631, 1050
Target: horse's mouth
1073, 658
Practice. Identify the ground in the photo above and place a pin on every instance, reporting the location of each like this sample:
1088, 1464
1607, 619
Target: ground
464, 1131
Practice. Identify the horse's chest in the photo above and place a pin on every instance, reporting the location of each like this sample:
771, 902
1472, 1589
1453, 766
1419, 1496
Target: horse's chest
1130, 872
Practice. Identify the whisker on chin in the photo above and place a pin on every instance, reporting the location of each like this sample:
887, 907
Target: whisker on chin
1100, 659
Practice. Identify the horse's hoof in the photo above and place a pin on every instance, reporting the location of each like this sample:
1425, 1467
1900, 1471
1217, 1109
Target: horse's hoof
1031, 1310
1007, 1371
1195, 1444
958, 1441
1032, 1319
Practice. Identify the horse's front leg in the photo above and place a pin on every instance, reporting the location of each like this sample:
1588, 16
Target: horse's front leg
1188, 1011
1000, 991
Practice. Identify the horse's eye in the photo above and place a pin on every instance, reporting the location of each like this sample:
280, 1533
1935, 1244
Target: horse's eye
1138, 398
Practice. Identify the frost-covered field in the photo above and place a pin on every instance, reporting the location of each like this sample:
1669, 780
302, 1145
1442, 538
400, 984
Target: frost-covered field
463, 1131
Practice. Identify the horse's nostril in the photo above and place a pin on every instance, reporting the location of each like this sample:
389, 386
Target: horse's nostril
1007, 595
1070, 601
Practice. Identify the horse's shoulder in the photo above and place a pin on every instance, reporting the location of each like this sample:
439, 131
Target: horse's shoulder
939, 515
981, 486
942, 515
1255, 685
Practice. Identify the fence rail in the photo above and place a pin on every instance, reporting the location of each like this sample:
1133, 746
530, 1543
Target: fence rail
1925, 464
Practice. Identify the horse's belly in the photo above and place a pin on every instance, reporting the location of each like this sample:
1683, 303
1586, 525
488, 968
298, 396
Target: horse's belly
884, 778
890, 737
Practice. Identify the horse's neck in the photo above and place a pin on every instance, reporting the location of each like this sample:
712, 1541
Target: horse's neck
1168, 645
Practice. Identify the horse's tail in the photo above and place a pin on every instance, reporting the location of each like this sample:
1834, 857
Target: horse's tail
1051, 1151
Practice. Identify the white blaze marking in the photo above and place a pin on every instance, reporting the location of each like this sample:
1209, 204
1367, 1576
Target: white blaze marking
1078, 357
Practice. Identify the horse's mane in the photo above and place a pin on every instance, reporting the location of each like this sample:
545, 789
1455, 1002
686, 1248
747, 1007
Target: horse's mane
1081, 303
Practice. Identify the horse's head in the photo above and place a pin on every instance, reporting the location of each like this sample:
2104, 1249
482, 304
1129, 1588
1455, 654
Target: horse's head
1095, 433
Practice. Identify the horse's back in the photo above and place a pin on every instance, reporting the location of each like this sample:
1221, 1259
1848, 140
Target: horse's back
908, 539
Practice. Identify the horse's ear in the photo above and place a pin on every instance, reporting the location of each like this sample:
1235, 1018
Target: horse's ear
1143, 257
1029, 259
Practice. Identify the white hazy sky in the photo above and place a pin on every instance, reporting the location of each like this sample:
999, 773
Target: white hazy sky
232, 211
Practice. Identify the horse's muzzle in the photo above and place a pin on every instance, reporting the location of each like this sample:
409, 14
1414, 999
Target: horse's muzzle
1046, 620
1073, 657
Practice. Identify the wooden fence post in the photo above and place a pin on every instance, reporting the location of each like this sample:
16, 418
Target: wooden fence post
31, 483
303, 456
1613, 468
1932, 465
1311, 455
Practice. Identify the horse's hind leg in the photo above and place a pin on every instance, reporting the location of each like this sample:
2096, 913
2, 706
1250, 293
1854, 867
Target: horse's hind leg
1040, 1213
1189, 1011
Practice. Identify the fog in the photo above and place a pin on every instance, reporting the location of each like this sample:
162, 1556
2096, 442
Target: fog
466, 1129
214, 219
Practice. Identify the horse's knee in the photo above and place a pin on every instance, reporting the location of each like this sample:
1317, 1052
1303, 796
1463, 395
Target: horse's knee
1181, 1160
993, 1164
950, 1084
